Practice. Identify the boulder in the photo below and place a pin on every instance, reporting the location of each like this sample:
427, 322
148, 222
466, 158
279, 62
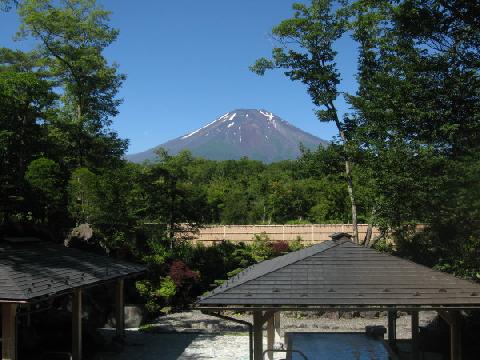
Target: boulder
134, 316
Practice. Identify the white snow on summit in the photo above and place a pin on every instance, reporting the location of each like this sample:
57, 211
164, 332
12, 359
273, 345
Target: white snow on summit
270, 115
224, 116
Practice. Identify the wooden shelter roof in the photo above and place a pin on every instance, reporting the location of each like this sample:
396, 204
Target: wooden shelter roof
339, 273
35, 270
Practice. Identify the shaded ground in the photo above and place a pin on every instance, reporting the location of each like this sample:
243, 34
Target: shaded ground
193, 335
181, 346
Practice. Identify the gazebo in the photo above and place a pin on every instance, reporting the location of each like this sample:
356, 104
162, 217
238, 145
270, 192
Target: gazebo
340, 275
32, 272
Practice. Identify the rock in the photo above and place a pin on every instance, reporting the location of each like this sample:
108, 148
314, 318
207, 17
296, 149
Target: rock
369, 314
347, 315
332, 315
133, 317
82, 233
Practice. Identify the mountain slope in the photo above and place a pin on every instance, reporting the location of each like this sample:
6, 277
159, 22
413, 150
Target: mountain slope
257, 134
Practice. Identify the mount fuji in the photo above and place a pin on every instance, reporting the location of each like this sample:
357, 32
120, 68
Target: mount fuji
256, 134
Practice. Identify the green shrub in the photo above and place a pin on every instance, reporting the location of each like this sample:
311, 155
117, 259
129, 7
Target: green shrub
168, 289
262, 247
296, 244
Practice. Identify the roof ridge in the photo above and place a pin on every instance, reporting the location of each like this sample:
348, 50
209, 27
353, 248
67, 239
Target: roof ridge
295, 256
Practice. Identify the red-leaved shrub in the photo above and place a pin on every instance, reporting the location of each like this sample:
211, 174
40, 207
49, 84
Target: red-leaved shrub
180, 273
279, 247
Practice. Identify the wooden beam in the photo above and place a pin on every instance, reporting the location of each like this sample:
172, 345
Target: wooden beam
453, 320
392, 329
120, 309
257, 335
9, 331
270, 335
415, 336
77, 324
276, 318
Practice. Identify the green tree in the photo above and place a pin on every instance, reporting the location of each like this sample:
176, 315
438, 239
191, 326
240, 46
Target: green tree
73, 35
45, 179
82, 191
417, 123
26, 99
307, 55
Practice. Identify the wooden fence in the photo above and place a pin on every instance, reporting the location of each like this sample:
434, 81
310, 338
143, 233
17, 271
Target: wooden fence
308, 234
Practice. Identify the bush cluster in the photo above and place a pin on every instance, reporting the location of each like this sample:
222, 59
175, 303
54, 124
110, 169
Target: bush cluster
178, 275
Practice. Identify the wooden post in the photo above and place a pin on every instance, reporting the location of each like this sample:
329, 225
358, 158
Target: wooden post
257, 335
451, 317
270, 335
392, 329
77, 324
120, 309
276, 318
415, 334
9, 331
455, 340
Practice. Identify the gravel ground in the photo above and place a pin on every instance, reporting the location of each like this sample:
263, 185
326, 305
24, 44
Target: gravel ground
193, 335
195, 321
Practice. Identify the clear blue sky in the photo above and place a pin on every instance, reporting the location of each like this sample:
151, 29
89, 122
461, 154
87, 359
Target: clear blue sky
187, 63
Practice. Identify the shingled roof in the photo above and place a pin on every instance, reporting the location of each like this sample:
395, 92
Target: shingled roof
32, 271
341, 273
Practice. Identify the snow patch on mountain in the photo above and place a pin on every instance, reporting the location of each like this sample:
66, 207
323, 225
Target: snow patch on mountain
224, 116
196, 131
268, 115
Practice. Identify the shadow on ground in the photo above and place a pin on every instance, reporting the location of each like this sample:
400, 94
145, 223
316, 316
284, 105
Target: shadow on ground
178, 346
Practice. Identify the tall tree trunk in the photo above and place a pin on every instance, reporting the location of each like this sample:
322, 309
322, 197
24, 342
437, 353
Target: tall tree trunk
368, 235
173, 194
79, 137
348, 173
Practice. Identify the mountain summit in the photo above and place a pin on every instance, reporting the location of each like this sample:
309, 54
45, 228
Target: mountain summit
257, 134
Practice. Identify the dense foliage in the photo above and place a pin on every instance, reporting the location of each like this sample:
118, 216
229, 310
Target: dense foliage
175, 283
413, 130
421, 137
